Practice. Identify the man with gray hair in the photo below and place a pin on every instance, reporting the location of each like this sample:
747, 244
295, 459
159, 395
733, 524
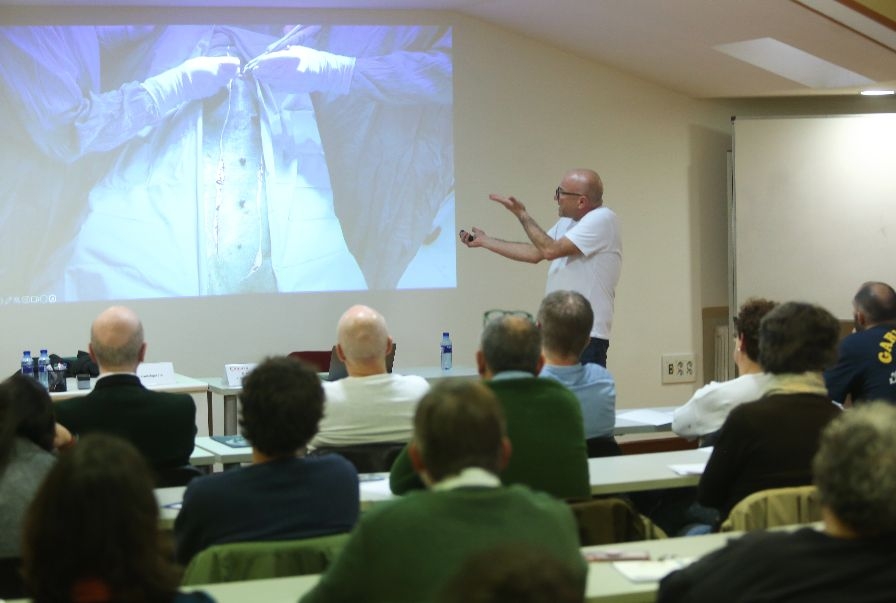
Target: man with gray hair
565, 318
371, 405
161, 425
851, 559
865, 368
544, 421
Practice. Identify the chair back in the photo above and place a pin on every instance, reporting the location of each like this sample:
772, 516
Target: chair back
774, 507
607, 520
255, 560
319, 359
367, 458
176, 476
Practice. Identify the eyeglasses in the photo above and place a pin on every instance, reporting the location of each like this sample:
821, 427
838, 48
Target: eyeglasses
491, 315
560, 191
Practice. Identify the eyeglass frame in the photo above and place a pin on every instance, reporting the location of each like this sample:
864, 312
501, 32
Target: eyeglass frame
495, 313
560, 191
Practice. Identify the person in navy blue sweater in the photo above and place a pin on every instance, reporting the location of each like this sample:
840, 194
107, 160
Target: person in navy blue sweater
282, 495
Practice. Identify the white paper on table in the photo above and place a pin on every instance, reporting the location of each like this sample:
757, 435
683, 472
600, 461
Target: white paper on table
647, 416
688, 468
650, 571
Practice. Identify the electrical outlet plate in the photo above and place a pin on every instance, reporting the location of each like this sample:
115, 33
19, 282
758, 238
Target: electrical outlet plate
679, 368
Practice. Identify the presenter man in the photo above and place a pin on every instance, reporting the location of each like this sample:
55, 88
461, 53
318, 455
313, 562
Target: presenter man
584, 247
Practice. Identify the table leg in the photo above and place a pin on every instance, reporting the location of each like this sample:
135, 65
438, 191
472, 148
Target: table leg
230, 414
208, 400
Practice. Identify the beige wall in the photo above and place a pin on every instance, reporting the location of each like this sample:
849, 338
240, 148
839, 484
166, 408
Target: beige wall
525, 112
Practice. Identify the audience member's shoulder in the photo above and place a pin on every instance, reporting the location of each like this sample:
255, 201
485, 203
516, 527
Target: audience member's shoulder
595, 371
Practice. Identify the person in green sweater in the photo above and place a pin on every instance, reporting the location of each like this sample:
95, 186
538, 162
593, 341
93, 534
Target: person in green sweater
409, 549
544, 419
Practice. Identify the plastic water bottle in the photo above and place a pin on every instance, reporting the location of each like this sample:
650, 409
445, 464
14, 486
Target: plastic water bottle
43, 367
446, 351
27, 364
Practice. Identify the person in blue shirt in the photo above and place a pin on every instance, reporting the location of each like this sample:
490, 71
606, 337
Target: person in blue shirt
565, 319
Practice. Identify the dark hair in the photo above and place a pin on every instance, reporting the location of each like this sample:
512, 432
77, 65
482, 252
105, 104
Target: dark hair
95, 517
459, 424
877, 301
747, 324
515, 573
26, 411
282, 404
566, 319
797, 337
511, 343
855, 469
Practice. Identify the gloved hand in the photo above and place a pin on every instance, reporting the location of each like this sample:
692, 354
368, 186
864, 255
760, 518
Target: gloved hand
193, 79
303, 69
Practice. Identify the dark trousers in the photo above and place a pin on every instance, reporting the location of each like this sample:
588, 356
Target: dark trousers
596, 352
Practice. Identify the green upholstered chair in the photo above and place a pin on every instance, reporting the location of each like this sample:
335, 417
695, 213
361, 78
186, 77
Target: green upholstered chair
255, 560
774, 507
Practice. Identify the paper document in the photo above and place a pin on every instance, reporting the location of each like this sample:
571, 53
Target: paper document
688, 468
645, 415
650, 571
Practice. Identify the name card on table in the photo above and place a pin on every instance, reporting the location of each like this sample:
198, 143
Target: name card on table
156, 373
234, 373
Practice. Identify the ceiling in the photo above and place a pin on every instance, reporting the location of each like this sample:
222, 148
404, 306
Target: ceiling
670, 42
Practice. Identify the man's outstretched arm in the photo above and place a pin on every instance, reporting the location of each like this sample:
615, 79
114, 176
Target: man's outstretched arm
548, 248
521, 252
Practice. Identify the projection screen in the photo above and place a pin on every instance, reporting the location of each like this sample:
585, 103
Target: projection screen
159, 161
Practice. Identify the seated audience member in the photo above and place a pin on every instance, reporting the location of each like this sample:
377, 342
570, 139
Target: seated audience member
851, 559
865, 368
92, 533
161, 425
280, 496
565, 319
513, 574
544, 421
769, 443
370, 405
28, 437
407, 550
704, 413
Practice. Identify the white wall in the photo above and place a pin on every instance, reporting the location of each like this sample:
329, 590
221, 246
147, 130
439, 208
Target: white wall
525, 112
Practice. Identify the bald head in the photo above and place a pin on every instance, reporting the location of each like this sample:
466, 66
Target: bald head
587, 182
363, 341
116, 340
875, 303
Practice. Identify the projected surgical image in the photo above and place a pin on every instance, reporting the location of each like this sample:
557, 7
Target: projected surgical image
155, 161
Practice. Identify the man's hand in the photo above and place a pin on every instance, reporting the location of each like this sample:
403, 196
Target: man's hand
62, 438
511, 203
473, 238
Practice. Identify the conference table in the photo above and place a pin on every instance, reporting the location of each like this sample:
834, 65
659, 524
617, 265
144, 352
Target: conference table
628, 420
182, 384
605, 583
607, 475
218, 386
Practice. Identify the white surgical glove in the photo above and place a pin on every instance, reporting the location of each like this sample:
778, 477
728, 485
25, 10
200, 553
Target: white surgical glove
193, 79
303, 69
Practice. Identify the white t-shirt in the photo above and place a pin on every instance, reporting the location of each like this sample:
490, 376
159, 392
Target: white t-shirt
595, 273
708, 408
367, 410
